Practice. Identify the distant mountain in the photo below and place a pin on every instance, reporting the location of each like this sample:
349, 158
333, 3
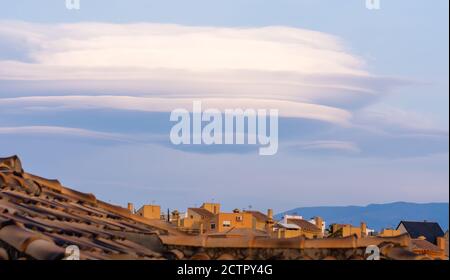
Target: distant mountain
377, 216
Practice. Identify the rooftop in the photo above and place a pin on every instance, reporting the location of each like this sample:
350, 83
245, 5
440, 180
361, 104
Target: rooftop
430, 230
260, 217
40, 218
303, 224
203, 212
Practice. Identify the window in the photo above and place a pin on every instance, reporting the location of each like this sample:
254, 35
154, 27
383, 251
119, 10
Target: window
226, 224
239, 218
213, 226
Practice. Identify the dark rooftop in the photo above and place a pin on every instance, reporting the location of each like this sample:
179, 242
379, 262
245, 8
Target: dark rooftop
430, 230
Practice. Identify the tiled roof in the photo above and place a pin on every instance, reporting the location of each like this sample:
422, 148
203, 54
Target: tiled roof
421, 244
260, 217
304, 224
240, 232
203, 212
430, 230
288, 226
39, 218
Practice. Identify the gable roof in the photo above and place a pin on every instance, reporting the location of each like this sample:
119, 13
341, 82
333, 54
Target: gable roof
202, 212
430, 230
303, 224
420, 244
260, 217
287, 226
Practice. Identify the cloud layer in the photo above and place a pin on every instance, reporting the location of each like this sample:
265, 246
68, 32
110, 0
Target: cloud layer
88, 103
309, 76
173, 61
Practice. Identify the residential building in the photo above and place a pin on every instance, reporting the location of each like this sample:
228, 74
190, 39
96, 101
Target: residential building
389, 232
294, 226
319, 222
149, 211
225, 221
344, 230
211, 207
197, 220
260, 220
120, 234
422, 246
430, 230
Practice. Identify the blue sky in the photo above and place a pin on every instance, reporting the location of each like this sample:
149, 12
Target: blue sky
79, 92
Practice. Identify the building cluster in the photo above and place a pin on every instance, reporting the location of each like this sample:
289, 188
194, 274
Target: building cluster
45, 220
427, 238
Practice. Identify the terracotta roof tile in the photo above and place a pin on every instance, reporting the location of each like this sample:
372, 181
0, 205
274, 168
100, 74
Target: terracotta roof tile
44, 250
202, 212
19, 237
420, 244
303, 224
260, 217
40, 217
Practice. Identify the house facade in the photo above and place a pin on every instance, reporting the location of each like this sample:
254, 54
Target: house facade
149, 211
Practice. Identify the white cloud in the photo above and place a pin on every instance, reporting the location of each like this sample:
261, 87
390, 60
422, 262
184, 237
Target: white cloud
159, 46
164, 60
58, 130
152, 104
398, 120
332, 145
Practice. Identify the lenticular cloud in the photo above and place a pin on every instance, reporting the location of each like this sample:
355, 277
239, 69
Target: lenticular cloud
284, 66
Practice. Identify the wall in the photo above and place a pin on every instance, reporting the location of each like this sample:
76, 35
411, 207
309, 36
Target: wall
212, 207
150, 212
245, 222
389, 233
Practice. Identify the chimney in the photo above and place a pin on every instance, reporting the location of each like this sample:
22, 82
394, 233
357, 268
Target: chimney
441, 243
363, 229
270, 213
319, 222
269, 223
131, 207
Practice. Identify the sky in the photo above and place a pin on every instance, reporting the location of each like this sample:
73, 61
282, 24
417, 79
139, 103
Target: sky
86, 95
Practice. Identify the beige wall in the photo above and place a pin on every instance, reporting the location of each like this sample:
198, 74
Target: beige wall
290, 233
389, 233
212, 207
227, 221
347, 230
150, 212
258, 225
195, 221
